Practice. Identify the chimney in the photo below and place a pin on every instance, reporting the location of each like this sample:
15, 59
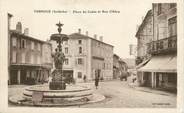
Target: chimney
95, 36
79, 31
26, 31
86, 33
9, 22
101, 38
19, 27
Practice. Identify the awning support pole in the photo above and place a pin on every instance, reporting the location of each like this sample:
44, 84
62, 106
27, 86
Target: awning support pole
142, 74
18, 76
152, 79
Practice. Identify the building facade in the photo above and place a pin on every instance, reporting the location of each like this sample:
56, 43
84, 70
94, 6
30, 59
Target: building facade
161, 70
86, 57
119, 67
144, 36
123, 66
116, 66
28, 64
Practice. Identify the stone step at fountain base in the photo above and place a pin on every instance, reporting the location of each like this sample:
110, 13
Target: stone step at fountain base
41, 95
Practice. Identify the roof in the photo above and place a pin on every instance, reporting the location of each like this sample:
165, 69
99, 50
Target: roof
149, 13
79, 36
14, 32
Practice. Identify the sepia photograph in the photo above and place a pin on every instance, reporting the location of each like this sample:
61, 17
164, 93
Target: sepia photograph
91, 54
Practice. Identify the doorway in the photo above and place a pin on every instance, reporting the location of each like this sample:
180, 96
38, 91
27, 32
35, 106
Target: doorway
23, 77
13, 77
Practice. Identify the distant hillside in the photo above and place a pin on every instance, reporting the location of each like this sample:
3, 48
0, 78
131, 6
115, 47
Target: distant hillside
130, 62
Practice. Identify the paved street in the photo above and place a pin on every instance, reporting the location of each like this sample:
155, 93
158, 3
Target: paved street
120, 94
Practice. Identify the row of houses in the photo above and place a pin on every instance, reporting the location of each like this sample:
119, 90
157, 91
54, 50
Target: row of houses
119, 66
157, 47
30, 60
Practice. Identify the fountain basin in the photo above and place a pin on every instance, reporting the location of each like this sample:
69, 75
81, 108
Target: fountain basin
73, 95
72, 92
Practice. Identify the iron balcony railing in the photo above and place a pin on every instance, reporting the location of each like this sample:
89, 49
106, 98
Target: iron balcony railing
165, 45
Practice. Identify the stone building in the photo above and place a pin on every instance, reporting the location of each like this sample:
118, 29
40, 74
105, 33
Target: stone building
119, 66
86, 56
30, 58
122, 65
144, 36
116, 66
161, 70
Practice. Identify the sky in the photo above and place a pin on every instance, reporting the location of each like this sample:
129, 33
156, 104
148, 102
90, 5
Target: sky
117, 29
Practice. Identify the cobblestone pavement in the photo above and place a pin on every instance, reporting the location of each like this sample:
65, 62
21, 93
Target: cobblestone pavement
120, 95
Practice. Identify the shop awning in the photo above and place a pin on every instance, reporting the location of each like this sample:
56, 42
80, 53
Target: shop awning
165, 63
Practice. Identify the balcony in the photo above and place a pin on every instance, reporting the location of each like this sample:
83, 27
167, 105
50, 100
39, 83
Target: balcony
163, 46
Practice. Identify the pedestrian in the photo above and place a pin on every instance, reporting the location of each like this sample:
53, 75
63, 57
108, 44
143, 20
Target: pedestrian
134, 78
96, 80
84, 78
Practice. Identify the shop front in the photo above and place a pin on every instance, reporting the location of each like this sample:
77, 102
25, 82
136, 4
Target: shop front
26, 74
160, 72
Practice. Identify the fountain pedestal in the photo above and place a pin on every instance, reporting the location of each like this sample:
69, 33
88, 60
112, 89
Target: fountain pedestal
57, 85
58, 81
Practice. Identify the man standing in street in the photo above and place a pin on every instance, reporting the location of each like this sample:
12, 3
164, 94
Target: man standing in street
84, 78
96, 79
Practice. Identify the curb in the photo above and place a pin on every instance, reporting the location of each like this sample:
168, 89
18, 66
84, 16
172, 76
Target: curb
149, 91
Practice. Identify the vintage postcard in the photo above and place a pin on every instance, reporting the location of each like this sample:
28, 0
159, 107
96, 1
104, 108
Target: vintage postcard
92, 56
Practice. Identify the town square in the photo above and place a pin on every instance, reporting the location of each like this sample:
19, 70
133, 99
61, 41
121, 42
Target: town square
65, 56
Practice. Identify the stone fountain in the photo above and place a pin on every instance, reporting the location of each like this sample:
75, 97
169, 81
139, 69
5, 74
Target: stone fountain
58, 82
57, 93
